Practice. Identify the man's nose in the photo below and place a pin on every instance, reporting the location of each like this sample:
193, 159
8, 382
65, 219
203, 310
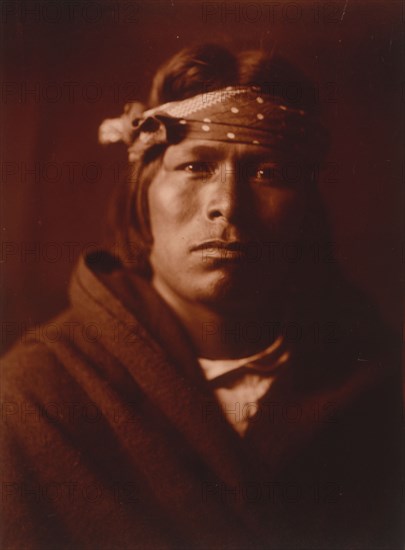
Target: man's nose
227, 194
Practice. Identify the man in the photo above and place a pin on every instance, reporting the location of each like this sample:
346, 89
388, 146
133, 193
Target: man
216, 384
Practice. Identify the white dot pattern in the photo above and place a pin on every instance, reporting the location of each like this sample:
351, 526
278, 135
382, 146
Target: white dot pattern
191, 105
232, 114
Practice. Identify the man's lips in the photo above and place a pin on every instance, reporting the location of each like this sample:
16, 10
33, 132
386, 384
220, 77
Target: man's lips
220, 245
224, 252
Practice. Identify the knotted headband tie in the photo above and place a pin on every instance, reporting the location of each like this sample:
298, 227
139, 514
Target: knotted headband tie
233, 114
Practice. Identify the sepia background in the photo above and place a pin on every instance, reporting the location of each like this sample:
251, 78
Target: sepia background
69, 65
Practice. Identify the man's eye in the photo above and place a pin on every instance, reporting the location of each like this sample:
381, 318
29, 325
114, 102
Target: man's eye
265, 174
269, 175
198, 168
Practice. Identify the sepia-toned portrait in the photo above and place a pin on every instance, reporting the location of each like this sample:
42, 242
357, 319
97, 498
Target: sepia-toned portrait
202, 275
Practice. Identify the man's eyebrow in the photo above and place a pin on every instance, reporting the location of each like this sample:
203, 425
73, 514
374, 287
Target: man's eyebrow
204, 151
219, 152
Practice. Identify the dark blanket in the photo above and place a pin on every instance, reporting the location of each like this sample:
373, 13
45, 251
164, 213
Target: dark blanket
113, 439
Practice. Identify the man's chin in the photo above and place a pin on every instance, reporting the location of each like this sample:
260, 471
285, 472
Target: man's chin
225, 285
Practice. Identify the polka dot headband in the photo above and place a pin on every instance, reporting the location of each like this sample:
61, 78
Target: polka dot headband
232, 114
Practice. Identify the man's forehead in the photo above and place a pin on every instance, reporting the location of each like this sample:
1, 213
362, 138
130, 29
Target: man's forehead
216, 150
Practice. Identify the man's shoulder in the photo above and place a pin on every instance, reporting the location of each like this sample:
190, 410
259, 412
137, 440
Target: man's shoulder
31, 369
68, 364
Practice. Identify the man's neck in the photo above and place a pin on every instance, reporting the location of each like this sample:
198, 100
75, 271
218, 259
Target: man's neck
225, 332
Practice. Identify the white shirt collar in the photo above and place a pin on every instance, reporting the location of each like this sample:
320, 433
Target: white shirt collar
274, 355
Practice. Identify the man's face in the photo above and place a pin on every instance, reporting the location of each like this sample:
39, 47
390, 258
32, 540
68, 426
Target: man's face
222, 220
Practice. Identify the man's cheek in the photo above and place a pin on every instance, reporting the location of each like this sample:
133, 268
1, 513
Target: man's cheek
287, 216
166, 200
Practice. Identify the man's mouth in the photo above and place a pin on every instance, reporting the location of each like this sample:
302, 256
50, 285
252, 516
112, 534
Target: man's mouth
222, 250
235, 246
